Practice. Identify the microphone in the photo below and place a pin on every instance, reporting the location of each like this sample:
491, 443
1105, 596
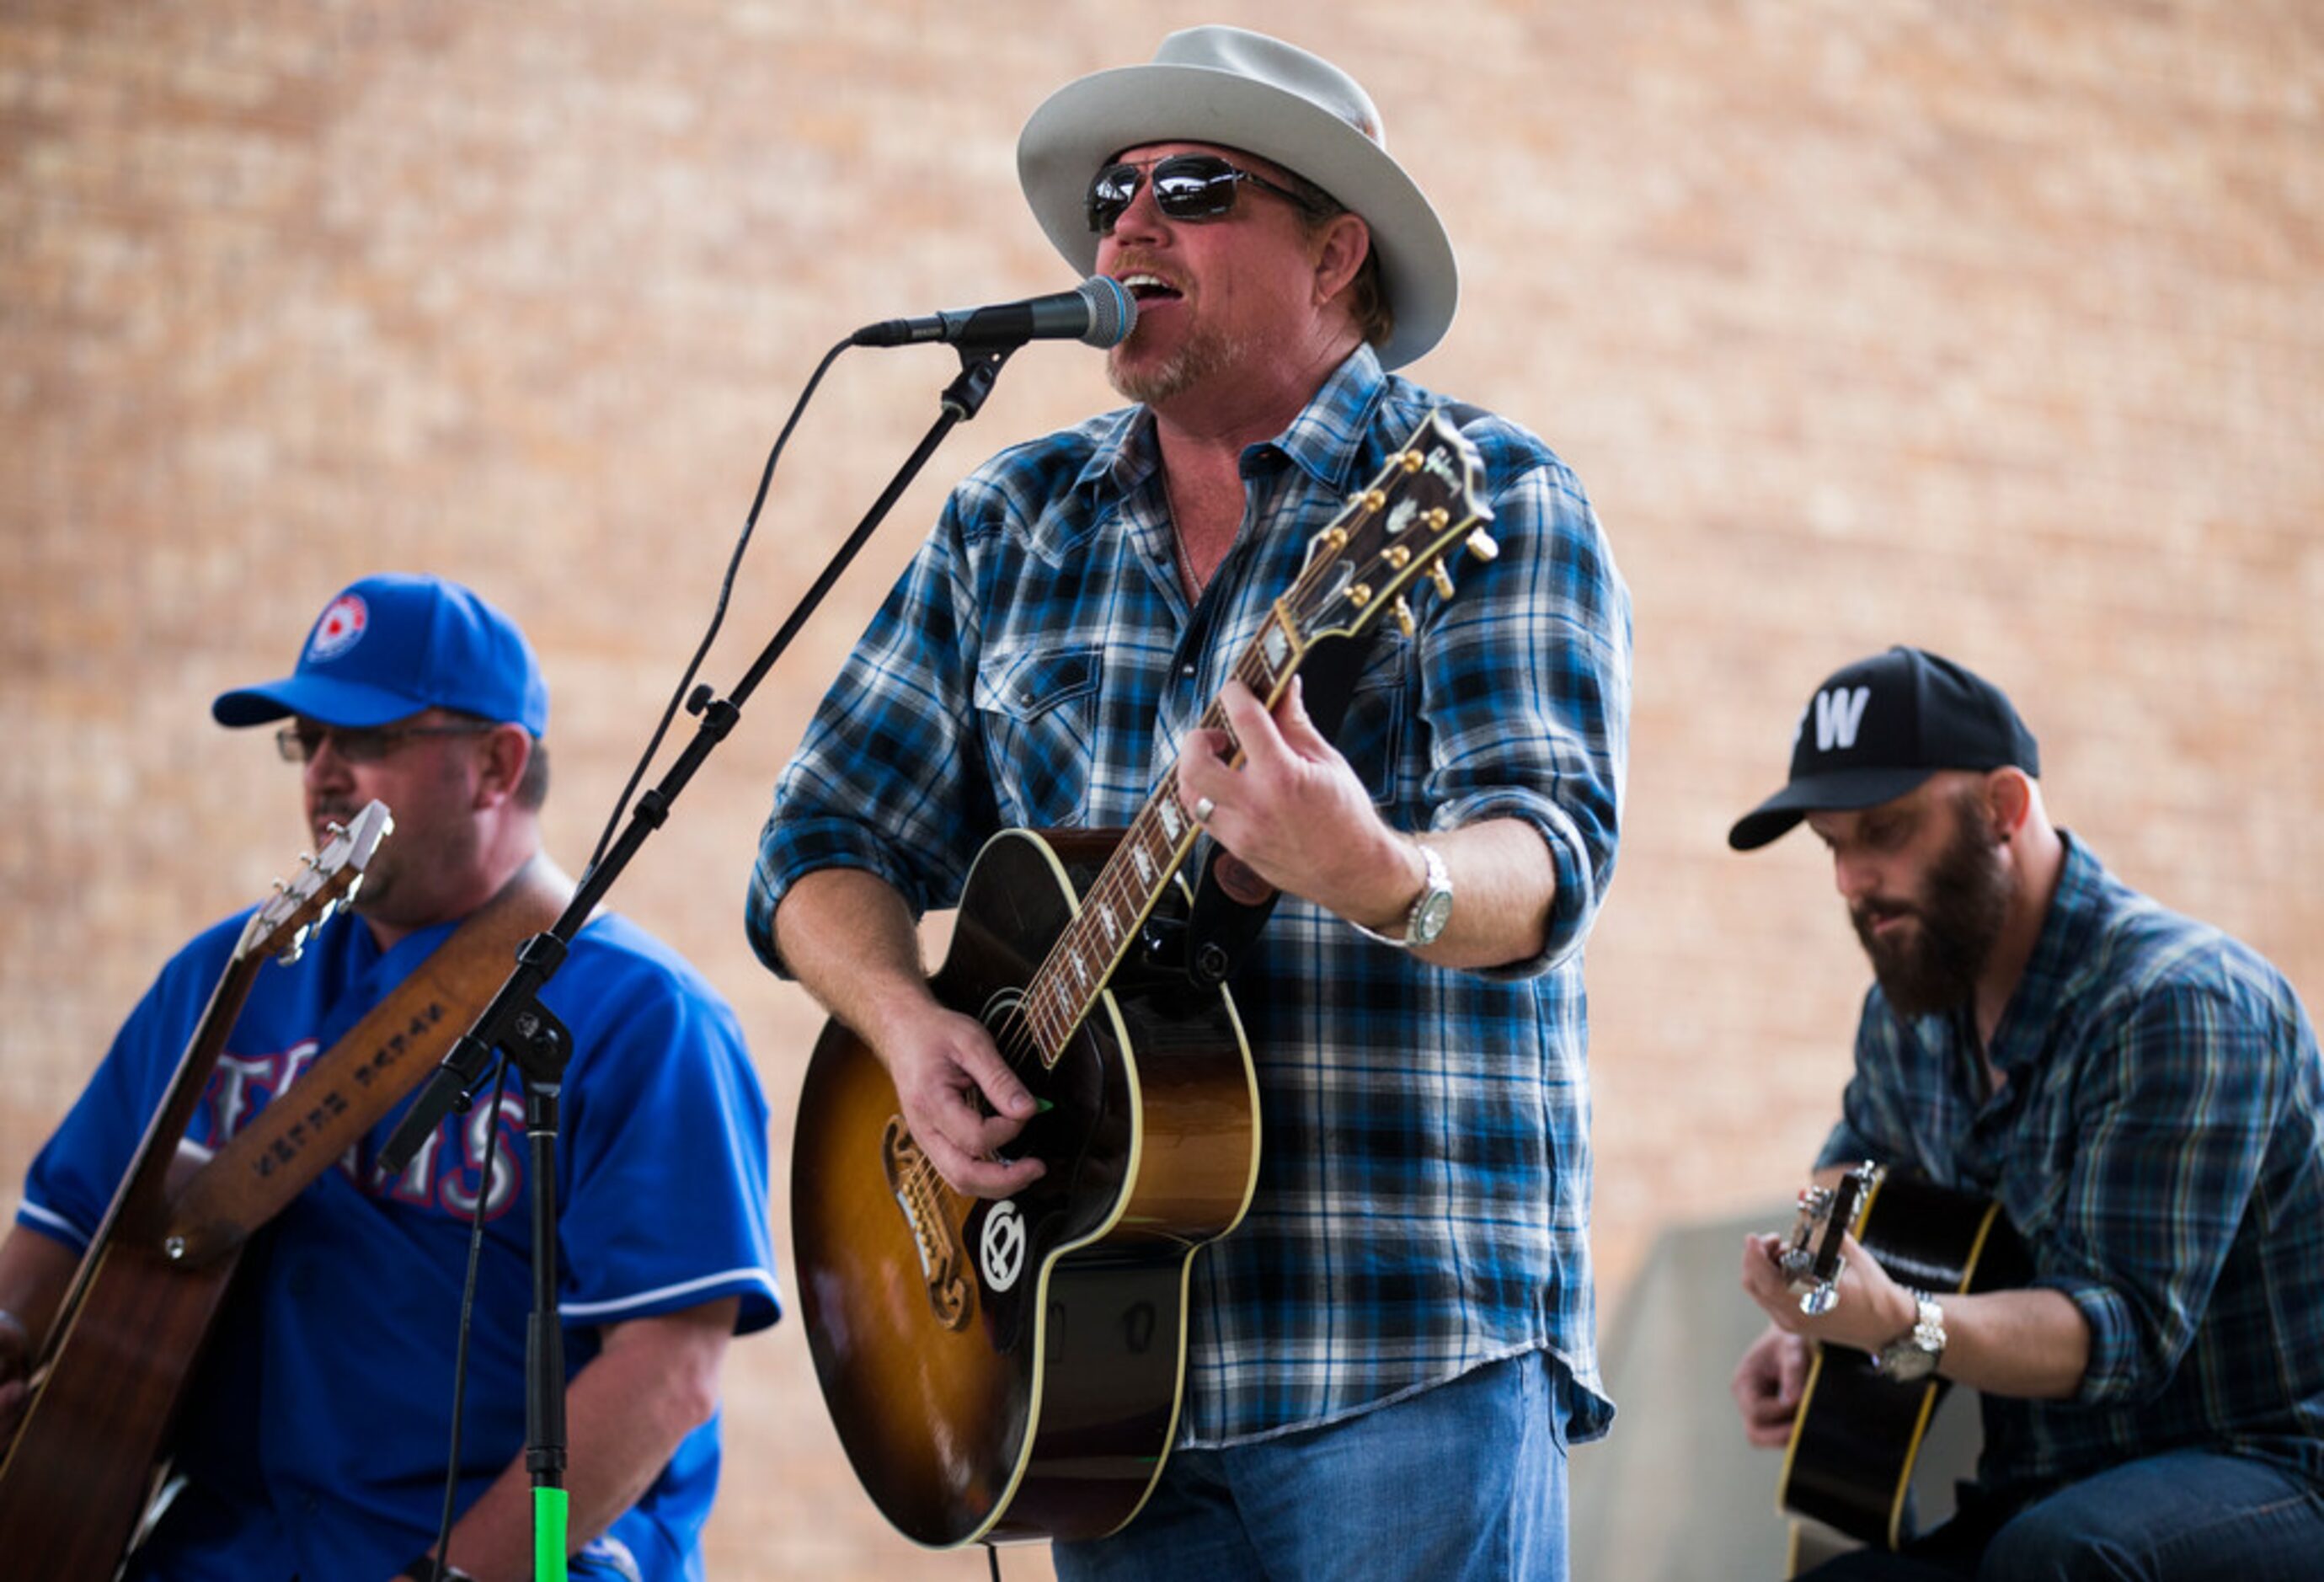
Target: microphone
1097, 312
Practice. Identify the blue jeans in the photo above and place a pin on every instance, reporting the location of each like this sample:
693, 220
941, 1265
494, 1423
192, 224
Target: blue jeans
2182, 1516
1465, 1481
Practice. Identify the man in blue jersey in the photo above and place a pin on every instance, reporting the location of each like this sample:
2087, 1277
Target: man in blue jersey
1388, 1355
2144, 1097
315, 1432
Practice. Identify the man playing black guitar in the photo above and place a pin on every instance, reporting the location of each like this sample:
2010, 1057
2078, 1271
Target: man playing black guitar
2142, 1095
1385, 1358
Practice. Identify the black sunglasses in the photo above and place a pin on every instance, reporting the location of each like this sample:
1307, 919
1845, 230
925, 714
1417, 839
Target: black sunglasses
1186, 187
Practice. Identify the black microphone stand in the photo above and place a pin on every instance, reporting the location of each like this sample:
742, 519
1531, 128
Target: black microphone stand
517, 1025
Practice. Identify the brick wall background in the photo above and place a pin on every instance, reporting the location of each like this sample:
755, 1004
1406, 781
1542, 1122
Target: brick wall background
1996, 329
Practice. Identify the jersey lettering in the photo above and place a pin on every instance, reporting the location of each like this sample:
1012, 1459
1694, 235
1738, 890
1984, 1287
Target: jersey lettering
482, 1140
441, 1176
240, 1085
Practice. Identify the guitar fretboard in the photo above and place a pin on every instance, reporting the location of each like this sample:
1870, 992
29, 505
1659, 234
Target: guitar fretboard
1389, 534
1127, 890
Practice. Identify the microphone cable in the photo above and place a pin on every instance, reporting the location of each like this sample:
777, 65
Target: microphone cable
718, 614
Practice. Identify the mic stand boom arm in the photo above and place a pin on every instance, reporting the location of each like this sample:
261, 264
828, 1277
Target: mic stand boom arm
516, 1023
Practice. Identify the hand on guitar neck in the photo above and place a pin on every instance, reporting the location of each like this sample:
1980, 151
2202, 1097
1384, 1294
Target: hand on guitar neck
1799, 1281
2031, 1343
1867, 1309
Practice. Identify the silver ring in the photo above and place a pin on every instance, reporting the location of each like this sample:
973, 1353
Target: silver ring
1203, 810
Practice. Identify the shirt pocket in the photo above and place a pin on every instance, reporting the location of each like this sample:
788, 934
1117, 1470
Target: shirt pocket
1038, 712
1373, 736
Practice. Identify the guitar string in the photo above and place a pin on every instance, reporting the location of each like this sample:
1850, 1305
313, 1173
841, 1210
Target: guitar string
1053, 1014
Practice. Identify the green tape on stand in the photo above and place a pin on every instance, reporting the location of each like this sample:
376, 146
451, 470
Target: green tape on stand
548, 1549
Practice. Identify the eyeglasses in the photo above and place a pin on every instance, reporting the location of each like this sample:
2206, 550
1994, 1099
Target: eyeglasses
300, 743
1186, 187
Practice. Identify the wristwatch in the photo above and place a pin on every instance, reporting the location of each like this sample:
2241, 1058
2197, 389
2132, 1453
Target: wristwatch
1430, 909
1914, 1355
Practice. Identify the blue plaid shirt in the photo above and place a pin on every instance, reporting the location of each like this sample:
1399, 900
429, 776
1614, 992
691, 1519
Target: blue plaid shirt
2159, 1144
1424, 1193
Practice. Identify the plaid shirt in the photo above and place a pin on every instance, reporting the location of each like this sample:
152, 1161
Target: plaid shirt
1424, 1193
2159, 1144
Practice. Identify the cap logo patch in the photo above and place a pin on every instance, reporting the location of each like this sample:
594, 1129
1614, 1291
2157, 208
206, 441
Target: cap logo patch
342, 622
1839, 711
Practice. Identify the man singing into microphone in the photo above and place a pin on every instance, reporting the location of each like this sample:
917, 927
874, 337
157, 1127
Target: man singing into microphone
1387, 1357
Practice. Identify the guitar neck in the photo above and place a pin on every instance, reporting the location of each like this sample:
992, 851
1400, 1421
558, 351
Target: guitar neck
1393, 531
278, 927
138, 1202
1091, 949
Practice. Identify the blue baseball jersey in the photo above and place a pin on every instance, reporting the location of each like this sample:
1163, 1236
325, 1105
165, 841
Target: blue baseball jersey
318, 1427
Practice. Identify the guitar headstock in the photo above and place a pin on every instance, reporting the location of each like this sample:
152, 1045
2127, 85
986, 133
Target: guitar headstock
325, 880
1811, 1258
1400, 528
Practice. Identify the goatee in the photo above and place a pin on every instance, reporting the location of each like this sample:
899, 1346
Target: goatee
1203, 356
1935, 968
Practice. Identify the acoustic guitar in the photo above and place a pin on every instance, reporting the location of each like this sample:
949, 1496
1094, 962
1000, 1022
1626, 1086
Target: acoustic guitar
1858, 1434
128, 1336
1011, 1370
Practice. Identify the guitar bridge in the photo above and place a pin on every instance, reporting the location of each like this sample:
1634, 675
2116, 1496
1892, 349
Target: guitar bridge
917, 1190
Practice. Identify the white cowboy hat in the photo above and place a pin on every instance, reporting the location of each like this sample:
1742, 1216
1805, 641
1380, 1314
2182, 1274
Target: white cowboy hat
1244, 90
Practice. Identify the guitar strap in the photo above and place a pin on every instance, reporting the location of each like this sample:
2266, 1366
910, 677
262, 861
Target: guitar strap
352, 1085
1219, 928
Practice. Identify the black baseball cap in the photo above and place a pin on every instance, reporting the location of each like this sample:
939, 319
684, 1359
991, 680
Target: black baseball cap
1877, 728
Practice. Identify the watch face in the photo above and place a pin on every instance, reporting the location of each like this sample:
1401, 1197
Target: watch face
1428, 920
1910, 1363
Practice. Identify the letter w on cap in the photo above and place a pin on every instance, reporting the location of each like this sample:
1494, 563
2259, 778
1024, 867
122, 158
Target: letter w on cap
1837, 713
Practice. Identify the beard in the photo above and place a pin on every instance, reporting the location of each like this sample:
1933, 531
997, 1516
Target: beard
1935, 967
1205, 354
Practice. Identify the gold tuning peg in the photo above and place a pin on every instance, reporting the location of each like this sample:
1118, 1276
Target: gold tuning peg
1481, 545
1442, 578
1404, 617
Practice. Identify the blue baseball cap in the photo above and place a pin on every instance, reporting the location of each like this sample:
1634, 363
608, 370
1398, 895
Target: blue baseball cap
391, 645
